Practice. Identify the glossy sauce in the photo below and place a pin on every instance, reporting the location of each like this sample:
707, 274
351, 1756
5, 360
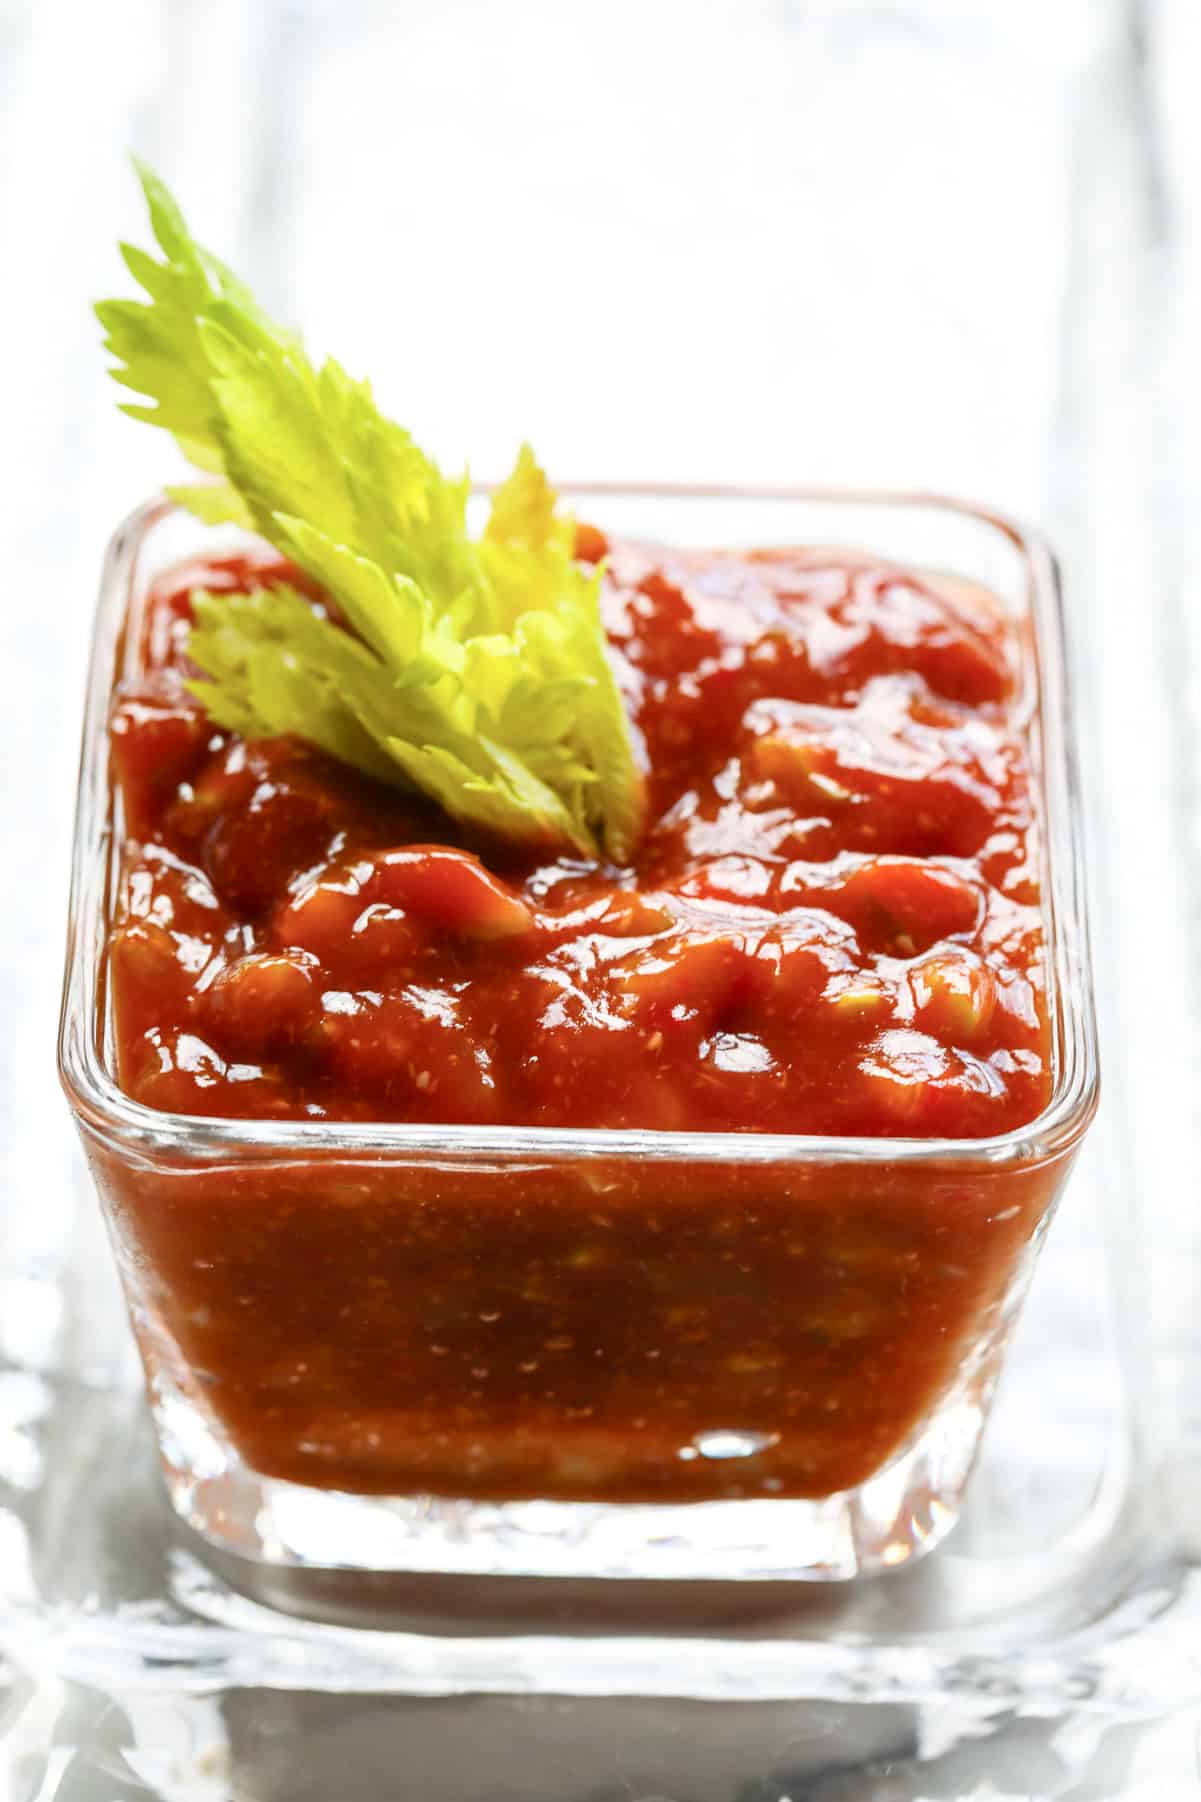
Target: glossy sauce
833, 927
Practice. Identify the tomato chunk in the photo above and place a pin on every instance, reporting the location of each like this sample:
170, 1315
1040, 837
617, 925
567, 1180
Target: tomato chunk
954, 995
453, 891
901, 906
259, 1004
700, 978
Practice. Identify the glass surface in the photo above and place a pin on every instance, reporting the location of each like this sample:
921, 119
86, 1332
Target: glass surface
244, 1492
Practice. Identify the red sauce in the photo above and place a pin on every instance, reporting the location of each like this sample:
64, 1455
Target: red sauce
833, 927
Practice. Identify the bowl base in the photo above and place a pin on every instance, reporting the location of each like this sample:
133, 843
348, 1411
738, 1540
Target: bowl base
296, 1547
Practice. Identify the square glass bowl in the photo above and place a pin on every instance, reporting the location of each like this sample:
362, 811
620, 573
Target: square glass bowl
611, 1237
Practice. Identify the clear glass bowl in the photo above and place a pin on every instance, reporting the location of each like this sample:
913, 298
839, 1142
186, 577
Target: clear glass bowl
591, 1208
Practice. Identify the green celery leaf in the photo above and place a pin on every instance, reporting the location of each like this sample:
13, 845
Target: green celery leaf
216, 503
475, 669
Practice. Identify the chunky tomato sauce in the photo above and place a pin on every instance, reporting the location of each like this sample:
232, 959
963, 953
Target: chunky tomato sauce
833, 927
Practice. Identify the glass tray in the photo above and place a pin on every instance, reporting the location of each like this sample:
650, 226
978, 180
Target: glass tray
1057, 1602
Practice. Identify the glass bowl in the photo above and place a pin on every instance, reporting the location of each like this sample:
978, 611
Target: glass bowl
409, 1226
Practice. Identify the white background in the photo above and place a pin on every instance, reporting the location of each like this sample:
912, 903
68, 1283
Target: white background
932, 243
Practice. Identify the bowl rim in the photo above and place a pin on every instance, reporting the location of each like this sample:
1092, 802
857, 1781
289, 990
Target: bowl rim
106, 1113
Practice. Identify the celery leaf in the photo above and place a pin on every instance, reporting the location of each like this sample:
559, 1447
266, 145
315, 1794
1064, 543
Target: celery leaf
474, 669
